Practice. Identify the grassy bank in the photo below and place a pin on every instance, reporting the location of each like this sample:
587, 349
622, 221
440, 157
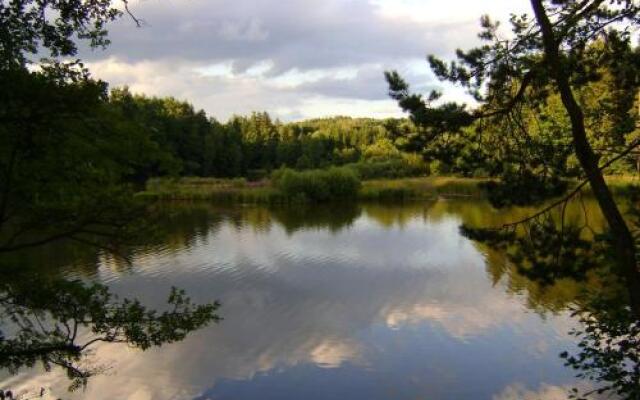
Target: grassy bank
212, 189
266, 192
426, 187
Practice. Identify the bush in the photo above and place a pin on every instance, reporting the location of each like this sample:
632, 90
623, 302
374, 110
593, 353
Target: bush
317, 185
437, 167
480, 173
382, 150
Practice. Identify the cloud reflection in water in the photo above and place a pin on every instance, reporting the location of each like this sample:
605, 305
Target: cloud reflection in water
370, 310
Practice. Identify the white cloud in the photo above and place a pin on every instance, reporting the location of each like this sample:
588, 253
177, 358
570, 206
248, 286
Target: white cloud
545, 391
293, 58
331, 354
307, 297
216, 88
463, 11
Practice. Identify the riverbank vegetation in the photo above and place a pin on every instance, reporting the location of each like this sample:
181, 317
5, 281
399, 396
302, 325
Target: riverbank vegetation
189, 143
172, 139
242, 191
335, 184
185, 142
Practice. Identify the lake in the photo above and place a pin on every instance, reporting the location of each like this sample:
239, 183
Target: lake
352, 301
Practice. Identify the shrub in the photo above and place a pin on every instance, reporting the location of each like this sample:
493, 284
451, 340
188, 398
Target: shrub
416, 163
480, 173
382, 150
317, 185
437, 167
345, 156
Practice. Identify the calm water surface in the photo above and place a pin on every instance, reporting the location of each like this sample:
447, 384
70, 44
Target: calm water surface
338, 302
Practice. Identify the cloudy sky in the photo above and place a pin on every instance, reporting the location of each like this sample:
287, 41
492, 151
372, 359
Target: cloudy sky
295, 59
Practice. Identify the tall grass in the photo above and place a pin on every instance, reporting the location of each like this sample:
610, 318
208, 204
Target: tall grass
213, 189
318, 185
288, 186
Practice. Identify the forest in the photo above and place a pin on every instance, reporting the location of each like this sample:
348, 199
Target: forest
187, 142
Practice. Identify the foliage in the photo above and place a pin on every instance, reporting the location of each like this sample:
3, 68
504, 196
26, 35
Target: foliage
390, 193
521, 119
60, 178
46, 325
69, 161
318, 185
239, 191
420, 188
193, 144
26, 27
609, 351
253, 146
563, 84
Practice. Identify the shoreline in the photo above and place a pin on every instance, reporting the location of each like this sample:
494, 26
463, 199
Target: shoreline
238, 190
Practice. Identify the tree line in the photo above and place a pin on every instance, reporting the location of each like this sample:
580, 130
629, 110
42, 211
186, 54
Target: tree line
190, 143
185, 141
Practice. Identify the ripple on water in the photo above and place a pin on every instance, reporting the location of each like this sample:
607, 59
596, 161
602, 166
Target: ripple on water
399, 303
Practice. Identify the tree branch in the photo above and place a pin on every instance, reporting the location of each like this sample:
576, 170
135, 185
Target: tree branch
526, 81
574, 192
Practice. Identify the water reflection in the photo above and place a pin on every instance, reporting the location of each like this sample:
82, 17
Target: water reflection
369, 301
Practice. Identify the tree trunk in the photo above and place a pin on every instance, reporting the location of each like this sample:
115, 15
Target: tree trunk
624, 245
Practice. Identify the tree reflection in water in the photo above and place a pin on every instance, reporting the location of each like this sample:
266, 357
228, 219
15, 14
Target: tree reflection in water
548, 249
609, 350
55, 322
557, 267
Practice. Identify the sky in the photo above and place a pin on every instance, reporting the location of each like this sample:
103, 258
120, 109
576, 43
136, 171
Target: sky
296, 59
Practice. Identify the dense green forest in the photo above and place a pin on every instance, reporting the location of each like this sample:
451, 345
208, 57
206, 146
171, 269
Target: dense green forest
190, 143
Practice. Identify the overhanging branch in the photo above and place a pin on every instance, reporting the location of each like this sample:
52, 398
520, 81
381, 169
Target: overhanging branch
574, 192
